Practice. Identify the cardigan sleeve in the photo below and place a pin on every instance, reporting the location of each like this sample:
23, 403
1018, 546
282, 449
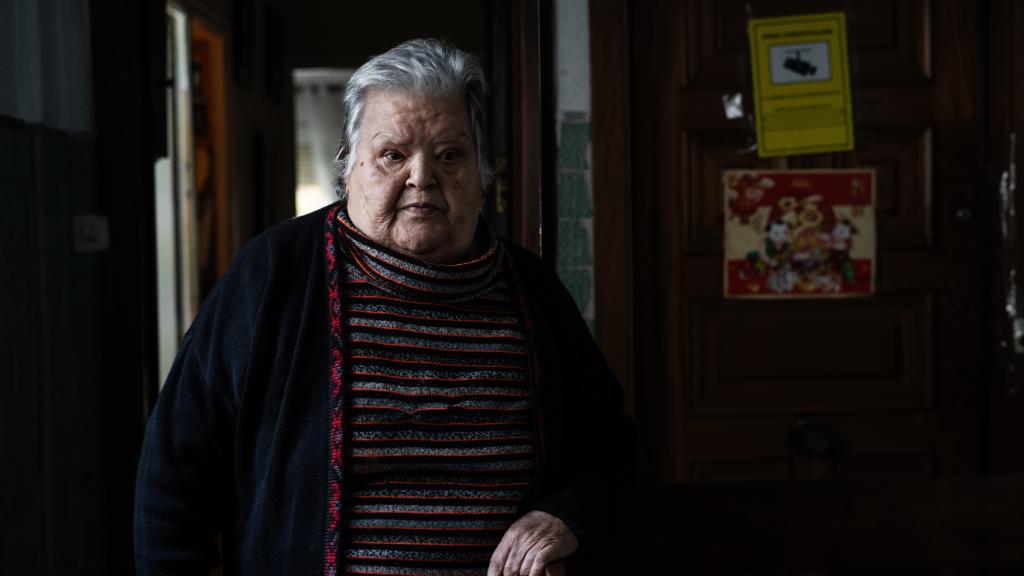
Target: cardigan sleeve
599, 435
181, 489
184, 486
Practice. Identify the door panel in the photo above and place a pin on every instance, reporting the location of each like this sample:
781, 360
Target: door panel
867, 355
902, 160
890, 40
884, 386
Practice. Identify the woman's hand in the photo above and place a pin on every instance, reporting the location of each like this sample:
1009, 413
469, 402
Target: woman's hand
534, 545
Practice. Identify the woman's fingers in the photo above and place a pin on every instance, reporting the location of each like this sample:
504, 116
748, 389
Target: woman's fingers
531, 544
500, 556
540, 563
530, 563
516, 557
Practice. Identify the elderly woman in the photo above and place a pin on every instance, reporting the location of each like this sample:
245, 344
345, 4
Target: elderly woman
384, 387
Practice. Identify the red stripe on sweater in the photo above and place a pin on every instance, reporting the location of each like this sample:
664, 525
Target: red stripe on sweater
434, 544
436, 455
439, 424
439, 350
439, 498
440, 364
449, 483
358, 258
406, 302
511, 323
497, 515
429, 333
442, 440
440, 409
432, 378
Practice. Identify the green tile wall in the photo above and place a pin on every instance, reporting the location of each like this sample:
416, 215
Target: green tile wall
574, 145
575, 261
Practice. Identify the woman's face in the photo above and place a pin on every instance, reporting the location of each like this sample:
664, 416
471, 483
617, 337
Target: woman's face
415, 182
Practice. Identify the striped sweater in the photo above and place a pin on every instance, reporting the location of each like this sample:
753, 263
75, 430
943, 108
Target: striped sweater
440, 449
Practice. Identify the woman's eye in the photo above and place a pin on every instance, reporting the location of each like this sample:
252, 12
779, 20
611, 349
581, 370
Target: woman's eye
451, 155
392, 156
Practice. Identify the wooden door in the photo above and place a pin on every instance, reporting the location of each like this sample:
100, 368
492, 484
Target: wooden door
878, 448
885, 397
886, 386
890, 385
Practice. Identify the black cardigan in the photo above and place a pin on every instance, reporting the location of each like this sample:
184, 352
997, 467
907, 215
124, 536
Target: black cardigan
237, 440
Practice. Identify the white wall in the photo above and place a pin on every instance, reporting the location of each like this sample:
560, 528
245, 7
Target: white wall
572, 57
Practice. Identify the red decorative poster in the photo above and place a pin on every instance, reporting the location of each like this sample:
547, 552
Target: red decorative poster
799, 233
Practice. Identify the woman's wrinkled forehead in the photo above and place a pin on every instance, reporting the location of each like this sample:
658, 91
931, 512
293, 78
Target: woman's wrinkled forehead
399, 115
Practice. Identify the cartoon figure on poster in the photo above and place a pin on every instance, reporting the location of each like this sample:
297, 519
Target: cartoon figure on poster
802, 233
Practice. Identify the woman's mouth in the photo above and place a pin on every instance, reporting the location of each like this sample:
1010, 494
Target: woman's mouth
421, 208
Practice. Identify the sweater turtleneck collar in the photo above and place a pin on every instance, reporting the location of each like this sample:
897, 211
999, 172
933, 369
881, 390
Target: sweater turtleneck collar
400, 274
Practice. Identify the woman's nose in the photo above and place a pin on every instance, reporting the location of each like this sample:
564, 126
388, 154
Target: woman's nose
422, 172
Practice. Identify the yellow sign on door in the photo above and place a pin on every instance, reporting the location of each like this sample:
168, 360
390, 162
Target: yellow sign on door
801, 84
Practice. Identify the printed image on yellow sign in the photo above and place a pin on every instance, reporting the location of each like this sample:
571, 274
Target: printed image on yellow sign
801, 84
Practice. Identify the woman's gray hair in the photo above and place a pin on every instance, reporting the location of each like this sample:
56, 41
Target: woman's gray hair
421, 66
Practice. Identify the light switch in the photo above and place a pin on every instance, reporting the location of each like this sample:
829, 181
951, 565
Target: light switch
91, 233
